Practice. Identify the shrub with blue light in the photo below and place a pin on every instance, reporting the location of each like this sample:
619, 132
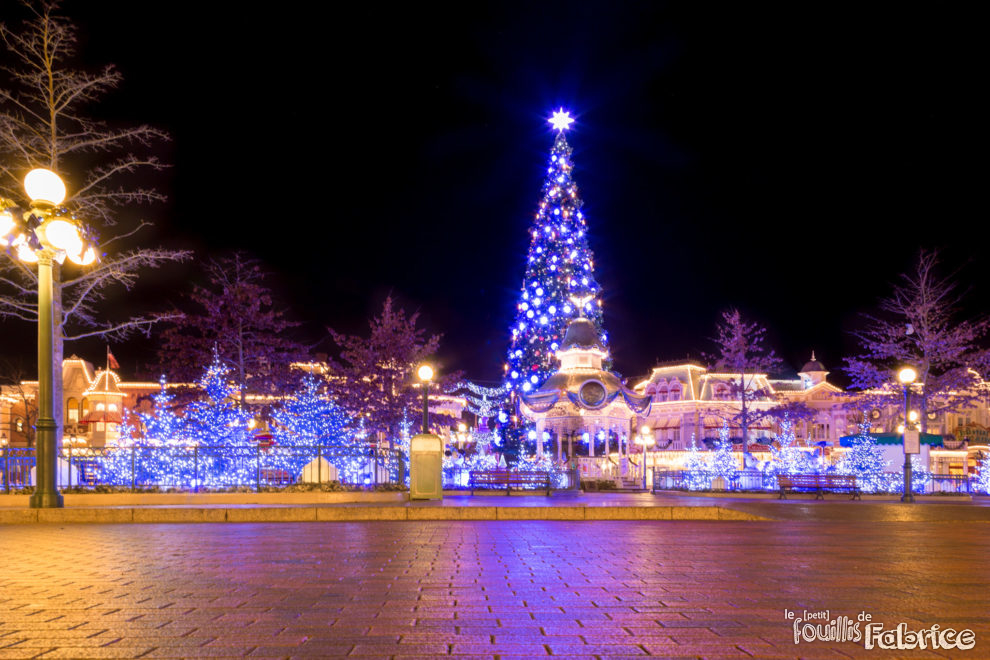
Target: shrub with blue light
865, 460
920, 478
559, 270
546, 463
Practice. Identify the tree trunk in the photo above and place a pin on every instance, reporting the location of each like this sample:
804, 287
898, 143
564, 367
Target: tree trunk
240, 365
58, 352
744, 419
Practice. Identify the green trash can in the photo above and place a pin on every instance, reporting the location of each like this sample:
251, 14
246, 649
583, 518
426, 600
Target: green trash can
425, 467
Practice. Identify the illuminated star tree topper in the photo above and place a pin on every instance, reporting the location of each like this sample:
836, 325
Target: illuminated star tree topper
561, 120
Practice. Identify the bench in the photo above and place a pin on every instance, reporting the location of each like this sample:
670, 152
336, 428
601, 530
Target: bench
508, 479
819, 483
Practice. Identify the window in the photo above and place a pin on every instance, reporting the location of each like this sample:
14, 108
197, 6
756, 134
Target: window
112, 407
675, 392
662, 393
71, 411
19, 425
85, 407
676, 436
99, 406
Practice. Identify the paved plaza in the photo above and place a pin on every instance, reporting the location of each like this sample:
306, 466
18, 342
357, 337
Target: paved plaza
482, 589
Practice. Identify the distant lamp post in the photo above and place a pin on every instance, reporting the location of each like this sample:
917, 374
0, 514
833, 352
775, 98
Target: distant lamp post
907, 376
43, 236
645, 439
425, 374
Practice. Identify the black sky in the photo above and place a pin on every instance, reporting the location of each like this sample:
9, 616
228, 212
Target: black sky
789, 159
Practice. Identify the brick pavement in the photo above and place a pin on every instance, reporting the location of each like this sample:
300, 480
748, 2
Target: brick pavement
479, 589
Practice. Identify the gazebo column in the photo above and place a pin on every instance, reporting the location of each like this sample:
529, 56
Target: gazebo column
560, 446
592, 436
570, 445
539, 438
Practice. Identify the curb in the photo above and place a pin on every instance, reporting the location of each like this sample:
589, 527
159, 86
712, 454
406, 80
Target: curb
115, 515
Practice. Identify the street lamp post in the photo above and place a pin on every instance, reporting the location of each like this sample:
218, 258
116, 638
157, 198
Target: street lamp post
907, 376
44, 237
645, 439
425, 374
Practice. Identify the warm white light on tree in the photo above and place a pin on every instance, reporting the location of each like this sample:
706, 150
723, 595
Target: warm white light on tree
44, 187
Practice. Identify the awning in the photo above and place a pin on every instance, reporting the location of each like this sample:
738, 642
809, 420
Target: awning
931, 439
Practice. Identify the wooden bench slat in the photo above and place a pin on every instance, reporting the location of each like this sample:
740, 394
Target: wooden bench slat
820, 482
509, 479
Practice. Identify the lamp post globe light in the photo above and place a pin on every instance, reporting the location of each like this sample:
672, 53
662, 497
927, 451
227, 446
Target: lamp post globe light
907, 376
425, 374
42, 235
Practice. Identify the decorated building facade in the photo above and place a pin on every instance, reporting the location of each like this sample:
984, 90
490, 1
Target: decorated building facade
582, 408
93, 404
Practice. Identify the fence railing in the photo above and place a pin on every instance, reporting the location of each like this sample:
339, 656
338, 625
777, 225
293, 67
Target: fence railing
197, 467
750, 480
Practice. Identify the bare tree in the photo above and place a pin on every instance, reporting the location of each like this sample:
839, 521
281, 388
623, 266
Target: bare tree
43, 124
742, 353
920, 326
236, 317
377, 373
13, 373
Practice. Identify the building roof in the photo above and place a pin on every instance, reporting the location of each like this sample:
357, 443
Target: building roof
106, 383
813, 365
581, 333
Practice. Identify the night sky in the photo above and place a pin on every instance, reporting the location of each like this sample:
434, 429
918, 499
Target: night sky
788, 159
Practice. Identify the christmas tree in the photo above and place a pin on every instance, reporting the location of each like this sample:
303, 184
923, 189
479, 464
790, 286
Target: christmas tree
866, 461
983, 478
217, 419
697, 475
560, 276
310, 418
786, 457
152, 449
723, 463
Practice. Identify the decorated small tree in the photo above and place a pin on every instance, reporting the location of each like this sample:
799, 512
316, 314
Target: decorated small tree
786, 457
723, 462
153, 448
310, 418
983, 478
865, 460
219, 427
697, 475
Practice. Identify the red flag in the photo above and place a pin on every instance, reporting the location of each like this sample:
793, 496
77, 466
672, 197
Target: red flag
111, 360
